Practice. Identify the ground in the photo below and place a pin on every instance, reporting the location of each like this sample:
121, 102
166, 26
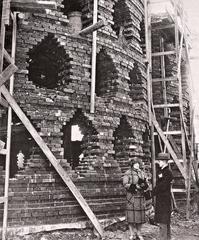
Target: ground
182, 229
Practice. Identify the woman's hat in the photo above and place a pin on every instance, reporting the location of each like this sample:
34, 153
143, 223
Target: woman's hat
136, 160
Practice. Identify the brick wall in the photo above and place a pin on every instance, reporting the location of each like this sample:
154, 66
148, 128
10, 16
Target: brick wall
52, 86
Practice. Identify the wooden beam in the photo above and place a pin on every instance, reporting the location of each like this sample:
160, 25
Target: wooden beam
3, 152
32, 5
176, 132
168, 105
6, 12
93, 27
7, 73
158, 54
93, 61
159, 27
6, 55
52, 159
2, 199
2, 145
169, 148
3, 102
164, 79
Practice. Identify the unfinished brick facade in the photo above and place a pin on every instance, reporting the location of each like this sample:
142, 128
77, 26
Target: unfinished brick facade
53, 86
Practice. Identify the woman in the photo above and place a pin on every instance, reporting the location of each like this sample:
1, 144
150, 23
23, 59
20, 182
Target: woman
134, 181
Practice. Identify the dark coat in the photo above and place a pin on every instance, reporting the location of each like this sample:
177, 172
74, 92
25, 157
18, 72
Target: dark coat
162, 191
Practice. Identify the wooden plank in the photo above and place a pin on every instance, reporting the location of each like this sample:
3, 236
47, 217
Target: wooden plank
158, 54
6, 12
164, 79
3, 151
52, 159
6, 55
169, 148
168, 105
147, 11
7, 73
174, 146
93, 27
155, 28
170, 132
2, 199
32, 5
3, 102
178, 190
93, 60
9, 132
2, 145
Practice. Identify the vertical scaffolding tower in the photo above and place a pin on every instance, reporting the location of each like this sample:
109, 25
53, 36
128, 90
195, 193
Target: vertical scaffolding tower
177, 141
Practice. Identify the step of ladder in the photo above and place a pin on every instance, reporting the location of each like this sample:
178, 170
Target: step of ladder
164, 79
158, 54
171, 161
155, 28
170, 132
169, 105
178, 190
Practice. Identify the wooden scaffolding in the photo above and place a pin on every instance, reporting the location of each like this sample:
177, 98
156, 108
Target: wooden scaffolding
10, 9
182, 157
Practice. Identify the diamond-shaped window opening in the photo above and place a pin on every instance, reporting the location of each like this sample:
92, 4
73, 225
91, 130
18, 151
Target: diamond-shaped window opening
49, 65
124, 143
106, 74
83, 7
78, 138
121, 18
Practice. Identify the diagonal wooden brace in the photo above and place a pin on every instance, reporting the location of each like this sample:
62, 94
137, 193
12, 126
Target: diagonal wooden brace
7, 73
169, 147
3, 102
43, 146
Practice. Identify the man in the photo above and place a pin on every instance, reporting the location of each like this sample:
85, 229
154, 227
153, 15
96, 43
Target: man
162, 191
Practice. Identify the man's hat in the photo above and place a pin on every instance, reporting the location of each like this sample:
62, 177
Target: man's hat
163, 156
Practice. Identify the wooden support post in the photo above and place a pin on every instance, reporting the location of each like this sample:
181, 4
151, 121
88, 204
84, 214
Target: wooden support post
6, 12
94, 52
3, 103
149, 83
9, 129
92, 28
52, 159
163, 75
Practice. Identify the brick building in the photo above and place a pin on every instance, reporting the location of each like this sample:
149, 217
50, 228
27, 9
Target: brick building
53, 88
